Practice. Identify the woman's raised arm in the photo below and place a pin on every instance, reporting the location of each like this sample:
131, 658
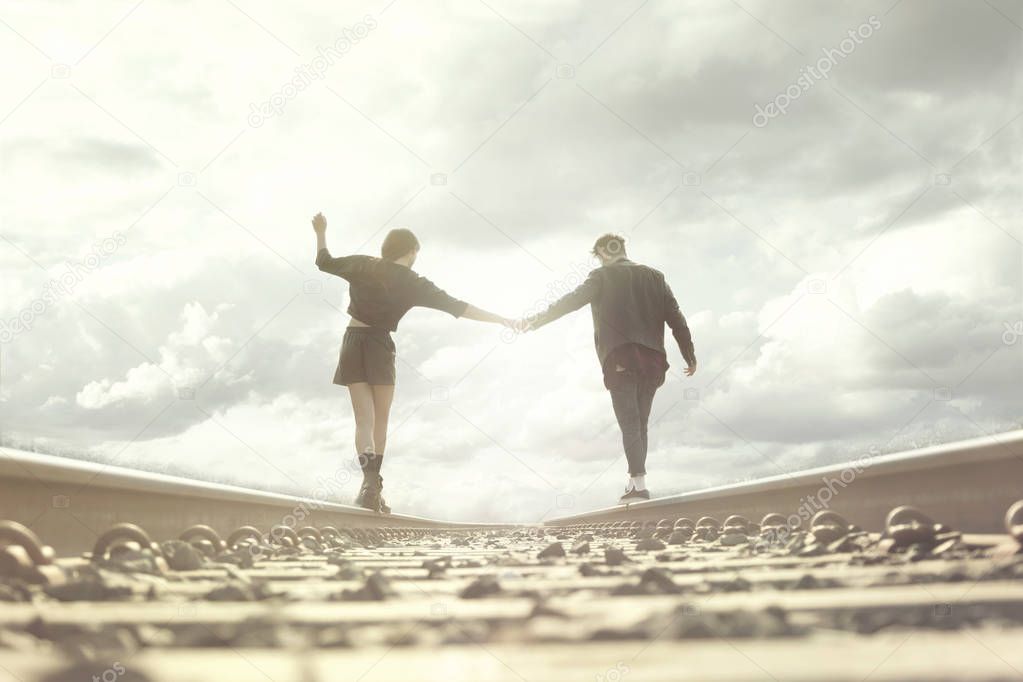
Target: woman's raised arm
320, 228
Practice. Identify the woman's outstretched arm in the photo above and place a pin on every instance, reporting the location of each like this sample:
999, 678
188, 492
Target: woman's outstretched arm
432, 296
480, 315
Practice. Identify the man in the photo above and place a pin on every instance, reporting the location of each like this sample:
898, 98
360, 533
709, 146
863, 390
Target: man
630, 303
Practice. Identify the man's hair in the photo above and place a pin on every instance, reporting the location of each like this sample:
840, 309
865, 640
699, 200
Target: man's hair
610, 243
397, 243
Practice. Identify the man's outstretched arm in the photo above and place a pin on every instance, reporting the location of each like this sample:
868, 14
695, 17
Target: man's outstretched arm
574, 300
679, 329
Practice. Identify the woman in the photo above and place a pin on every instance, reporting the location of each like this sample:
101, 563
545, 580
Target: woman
382, 290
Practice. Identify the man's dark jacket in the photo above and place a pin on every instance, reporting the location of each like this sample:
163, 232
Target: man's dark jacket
630, 303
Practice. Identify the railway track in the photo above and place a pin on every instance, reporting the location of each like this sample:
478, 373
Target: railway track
117, 575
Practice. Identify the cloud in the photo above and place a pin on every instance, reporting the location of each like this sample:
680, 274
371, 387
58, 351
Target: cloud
190, 355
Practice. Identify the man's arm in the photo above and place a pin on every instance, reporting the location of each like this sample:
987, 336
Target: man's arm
679, 329
570, 302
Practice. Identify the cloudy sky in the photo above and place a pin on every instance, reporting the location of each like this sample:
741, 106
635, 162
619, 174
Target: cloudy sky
851, 267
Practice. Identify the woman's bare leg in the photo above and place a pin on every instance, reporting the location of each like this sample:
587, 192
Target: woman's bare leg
382, 398
362, 407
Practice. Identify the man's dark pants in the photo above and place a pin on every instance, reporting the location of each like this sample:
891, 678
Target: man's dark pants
632, 397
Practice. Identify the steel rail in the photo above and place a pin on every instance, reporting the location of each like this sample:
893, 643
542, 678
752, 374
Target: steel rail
968, 485
71, 502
